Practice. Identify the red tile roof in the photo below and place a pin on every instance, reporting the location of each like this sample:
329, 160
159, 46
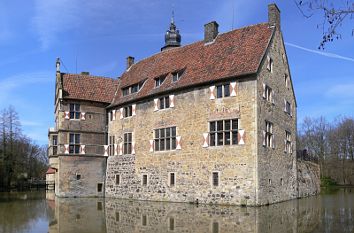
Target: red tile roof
235, 53
88, 87
50, 170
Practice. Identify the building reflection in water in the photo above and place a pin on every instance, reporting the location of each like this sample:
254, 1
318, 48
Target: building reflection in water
125, 216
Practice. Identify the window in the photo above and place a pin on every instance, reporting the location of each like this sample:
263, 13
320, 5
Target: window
286, 80
99, 187
127, 144
165, 139
164, 102
287, 107
175, 77
74, 111
125, 91
55, 144
117, 179
145, 180
287, 142
269, 134
223, 132
133, 88
270, 64
159, 81
78, 176
74, 143
99, 205
172, 179
223, 90
215, 227
117, 217
171, 224
144, 220
111, 145
128, 111
268, 94
215, 179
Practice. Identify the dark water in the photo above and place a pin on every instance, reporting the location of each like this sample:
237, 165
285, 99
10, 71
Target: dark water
40, 212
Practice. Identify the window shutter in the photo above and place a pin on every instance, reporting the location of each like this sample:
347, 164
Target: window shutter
206, 140
273, 97
268, 63
233, 89
172, 101
264, 90
264, 138
113, 115
82, 116
241, 137
178, 146
156, 104
285, 145
121, 148
121, 113
291, 148
66, 149
291, 110
212, 94
273, 141
115, 149
134, 109
284, 105
105, 150
133, 148
151, 145
82, 149
67, 115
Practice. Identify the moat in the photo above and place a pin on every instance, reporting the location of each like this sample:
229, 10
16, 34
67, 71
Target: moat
332, 211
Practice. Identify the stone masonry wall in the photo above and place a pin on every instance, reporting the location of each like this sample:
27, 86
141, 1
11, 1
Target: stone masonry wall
91, 170
91, 166
193, 165
308, 178
276, 168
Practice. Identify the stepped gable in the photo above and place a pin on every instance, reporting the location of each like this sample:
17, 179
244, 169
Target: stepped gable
88, 87
235, 53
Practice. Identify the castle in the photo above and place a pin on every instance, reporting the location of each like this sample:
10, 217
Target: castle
209, 122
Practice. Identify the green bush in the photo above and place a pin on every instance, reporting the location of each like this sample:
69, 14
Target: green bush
327, 181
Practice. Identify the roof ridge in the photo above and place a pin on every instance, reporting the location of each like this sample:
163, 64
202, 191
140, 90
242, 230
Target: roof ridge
89, 75
190, 44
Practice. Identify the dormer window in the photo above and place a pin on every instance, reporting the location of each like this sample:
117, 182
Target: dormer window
159, 81
133, 88
176, 75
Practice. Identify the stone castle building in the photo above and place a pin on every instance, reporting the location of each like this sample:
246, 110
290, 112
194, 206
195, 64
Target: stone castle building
209, 122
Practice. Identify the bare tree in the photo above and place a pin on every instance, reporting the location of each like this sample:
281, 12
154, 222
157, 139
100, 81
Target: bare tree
314, 138
335, 13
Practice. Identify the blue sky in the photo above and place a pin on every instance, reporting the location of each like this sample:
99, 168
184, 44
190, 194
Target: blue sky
97, 36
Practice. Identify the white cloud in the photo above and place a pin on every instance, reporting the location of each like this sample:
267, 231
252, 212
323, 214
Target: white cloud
9, 85
56, 18
332, 55
30, 123
342, 91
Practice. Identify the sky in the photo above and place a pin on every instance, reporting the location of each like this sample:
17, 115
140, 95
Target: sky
97, 36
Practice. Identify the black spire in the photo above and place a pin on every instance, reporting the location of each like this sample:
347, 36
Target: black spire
172, 36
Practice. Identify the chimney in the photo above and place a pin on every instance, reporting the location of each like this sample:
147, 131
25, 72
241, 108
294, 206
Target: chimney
130, 61
85, 73
210, 31
274, 15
